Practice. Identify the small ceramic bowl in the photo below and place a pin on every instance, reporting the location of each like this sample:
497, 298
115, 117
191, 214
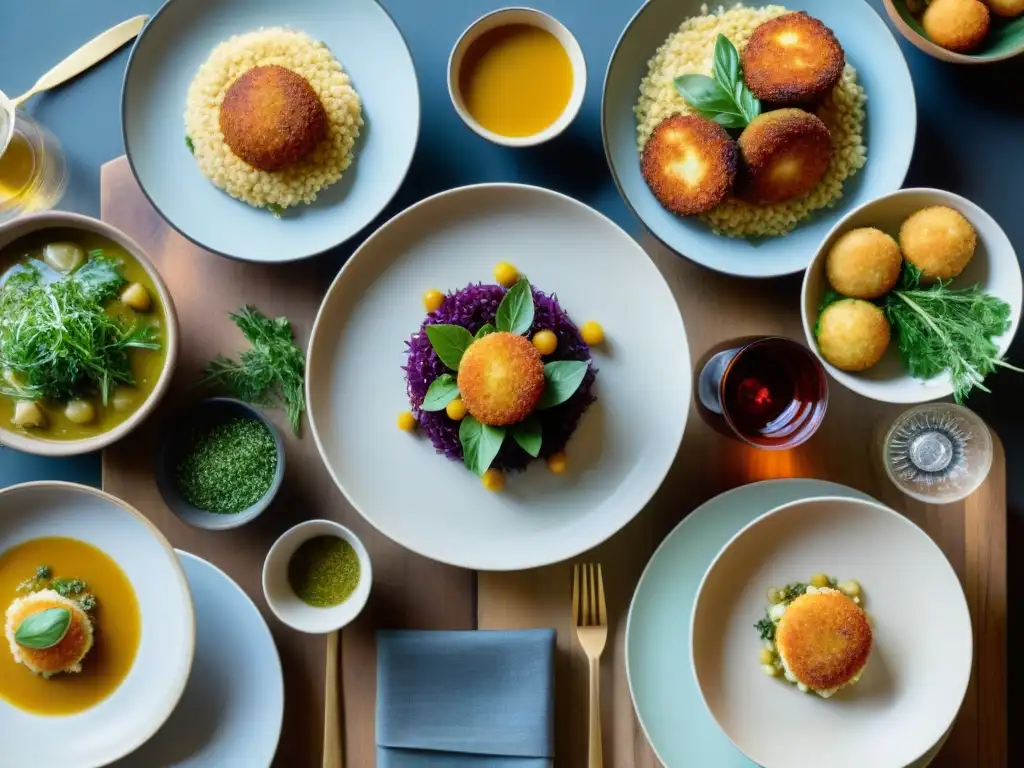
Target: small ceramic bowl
32, 443
531, 17
283, 601
174, 442
1005, 39
994, 269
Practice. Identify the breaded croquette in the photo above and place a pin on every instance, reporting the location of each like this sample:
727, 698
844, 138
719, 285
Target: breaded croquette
853, 334
792, 59
689, 163
864, 263
501, 378
784, 154
271, 117
957, 25
67, 654
1007, 8
939, 241
824, 640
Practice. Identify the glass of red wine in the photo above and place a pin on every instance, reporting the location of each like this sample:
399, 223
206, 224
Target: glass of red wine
768, 391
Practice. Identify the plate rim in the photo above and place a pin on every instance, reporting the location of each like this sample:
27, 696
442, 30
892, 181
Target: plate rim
294, 258
357, 255
179, 571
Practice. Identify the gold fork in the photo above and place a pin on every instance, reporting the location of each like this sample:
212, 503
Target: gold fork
591, 619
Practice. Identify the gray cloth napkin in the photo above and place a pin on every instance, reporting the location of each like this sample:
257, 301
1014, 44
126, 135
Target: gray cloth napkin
480, 699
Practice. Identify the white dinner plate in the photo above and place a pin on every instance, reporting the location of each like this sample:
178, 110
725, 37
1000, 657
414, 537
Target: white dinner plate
147, 696
624, 444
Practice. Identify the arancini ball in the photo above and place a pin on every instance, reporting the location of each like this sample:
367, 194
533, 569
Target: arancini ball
853, 334
689, 164
957, 25
792, 59
864, 263
1007, 8
939, 241
501, 378
784, 154
271, 117
68, 653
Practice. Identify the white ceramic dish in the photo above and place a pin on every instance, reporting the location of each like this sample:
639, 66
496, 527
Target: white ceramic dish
994, 267
625, 443
224, 718
920, 663
533, 18
139, 706
283, 601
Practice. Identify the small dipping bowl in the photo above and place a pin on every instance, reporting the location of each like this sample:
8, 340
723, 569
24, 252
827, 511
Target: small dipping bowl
175, 440
288, 606
519, 16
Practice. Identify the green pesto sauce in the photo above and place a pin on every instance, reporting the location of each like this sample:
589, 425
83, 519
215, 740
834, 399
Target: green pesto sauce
324, 571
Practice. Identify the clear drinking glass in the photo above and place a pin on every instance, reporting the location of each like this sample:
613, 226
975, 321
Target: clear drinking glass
33, 171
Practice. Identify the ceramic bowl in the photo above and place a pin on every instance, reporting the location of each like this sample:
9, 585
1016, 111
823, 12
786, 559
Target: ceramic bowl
174, 442
994, 268
890, 129
920, 662
147, 696
32, 443
1005, 40
531, 17
283, 601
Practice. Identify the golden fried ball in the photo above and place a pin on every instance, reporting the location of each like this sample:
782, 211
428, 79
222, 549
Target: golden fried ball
501, 378
271, 117
853, 334
864, 263
689, 163
65, 656
939, 241
1008, 8
784, 154
792, 59
957, 25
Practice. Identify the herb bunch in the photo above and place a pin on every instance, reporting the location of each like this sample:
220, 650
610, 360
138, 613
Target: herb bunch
723, 98
73, 589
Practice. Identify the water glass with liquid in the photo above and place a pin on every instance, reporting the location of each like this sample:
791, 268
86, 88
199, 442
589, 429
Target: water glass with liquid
33, 171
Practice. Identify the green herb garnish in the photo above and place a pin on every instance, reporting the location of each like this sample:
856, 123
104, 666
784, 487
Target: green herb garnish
73, 589
723, 98
480, 443
450, 342
188, 143
270, 373
791, 592
484, 330
442, 391
515, 312
766, 629
563, 378
39, 581
43, 629
527, 433
275, 209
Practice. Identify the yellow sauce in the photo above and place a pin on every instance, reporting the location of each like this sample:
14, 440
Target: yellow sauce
116, 620
17, 169
516, 80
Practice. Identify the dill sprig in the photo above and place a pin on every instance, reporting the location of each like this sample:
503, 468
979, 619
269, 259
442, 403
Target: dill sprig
765, 628
271, 373
939, 328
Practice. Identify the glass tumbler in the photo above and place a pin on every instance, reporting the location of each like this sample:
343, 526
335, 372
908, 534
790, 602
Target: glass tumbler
33, 171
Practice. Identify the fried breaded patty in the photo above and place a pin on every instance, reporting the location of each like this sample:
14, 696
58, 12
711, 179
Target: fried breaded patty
65, 656
689, 163
792, 59
957, 25
824, 639
271, 117
501, 378
784, 154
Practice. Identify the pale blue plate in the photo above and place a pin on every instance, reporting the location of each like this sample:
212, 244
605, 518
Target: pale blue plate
232, 709
173, 45
890, 132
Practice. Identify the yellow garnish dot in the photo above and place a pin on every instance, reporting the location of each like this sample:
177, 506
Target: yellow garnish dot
592, 333
406, 421
506, 274
432, 300
557, 463
545, 341
493, 480
456, 409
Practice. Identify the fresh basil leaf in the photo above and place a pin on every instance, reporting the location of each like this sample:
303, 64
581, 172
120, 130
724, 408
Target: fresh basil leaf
484, 331
748, 102
480, 444
44, 629
562, 379
441, 391
703, 93
450, 342
528, 434
728, 120
726, 63
515, 313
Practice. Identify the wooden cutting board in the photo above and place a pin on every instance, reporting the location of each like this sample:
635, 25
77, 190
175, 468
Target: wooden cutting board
410, 591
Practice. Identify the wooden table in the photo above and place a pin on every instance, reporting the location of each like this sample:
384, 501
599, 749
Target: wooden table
412, 592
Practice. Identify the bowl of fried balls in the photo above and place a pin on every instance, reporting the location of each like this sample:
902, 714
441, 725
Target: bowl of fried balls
868, 302
961, 31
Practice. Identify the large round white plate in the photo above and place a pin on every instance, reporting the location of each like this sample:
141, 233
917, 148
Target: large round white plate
173, 45
889, 133
233, 705
140, 705
661, 682
626, 441
921, 656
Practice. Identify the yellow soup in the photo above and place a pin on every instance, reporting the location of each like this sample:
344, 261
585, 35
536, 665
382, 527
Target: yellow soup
516, 80
116, 621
